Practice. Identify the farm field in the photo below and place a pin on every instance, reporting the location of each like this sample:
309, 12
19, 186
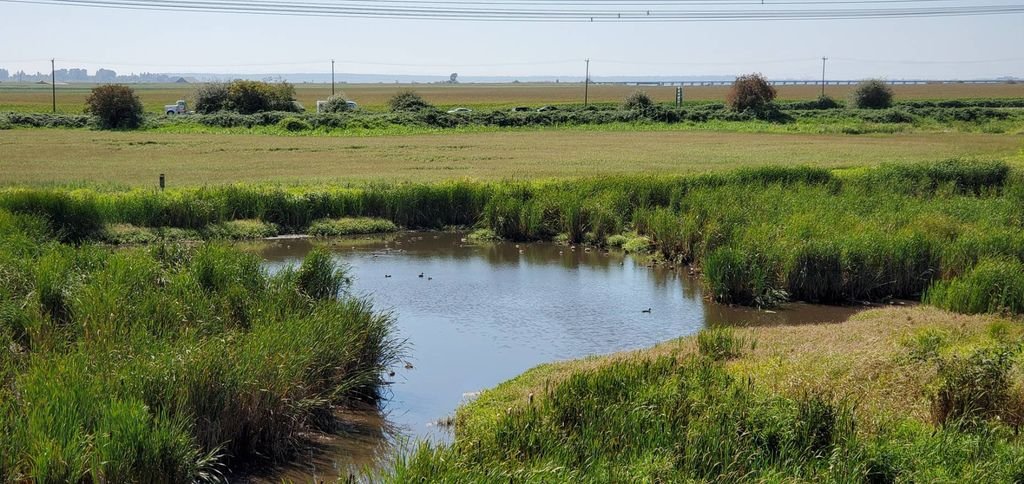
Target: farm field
71, 97
68, 156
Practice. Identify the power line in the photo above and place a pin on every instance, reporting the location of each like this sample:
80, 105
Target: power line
555, 11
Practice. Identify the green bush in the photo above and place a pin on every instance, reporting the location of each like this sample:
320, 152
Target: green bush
249, 97
638, 101
115, 107
408, 101
335, 104
750, 92
294, 124
211, 97
872, 94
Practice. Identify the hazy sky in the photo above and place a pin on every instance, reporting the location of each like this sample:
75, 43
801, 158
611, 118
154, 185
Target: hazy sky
155, 41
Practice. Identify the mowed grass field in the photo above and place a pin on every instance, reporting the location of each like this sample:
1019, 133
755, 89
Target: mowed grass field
61, 156
71, 97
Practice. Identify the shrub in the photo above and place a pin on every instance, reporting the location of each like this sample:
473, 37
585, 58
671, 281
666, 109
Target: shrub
294, 124
826, 102
248, 97
750, 92
408, 101
872, 94
211, 97
638, 101
335, 104
115, 106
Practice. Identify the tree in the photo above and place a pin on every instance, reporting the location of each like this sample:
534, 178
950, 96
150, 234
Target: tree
408, 101
872, 94
751, 91
115, 106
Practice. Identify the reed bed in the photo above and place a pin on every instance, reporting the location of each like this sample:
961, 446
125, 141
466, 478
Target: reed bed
760, 236
168, 363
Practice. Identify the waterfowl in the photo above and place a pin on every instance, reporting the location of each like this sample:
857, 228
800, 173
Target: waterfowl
421, 274
648, 310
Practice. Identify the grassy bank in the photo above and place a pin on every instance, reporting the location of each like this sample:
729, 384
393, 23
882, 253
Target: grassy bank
169, 363
759, 236
895, 395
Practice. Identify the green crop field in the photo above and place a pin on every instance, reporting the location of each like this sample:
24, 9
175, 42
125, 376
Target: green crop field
61, 156
71, 97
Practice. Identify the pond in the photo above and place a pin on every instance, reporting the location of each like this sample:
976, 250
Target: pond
474, 315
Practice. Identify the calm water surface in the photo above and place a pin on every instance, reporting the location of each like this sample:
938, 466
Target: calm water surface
482, 314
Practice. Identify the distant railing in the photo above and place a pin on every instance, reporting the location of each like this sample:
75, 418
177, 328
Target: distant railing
806, 83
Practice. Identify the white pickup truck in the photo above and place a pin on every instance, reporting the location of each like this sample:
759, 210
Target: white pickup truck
176, 108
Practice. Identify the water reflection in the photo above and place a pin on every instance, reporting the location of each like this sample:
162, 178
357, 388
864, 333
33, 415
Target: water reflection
485, 313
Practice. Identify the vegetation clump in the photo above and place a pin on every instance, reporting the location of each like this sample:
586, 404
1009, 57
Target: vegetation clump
976, 388
351, 226
720, 343
872, 94
211, 97
335, 104
293, 124
246, 97
115, 106
408, 101
638, 101
750, 92
171, 363
994, 285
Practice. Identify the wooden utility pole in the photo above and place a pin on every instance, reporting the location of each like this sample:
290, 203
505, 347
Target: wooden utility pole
53, 83
332, 77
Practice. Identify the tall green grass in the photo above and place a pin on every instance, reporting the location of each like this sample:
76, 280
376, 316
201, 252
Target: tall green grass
171, 363
761, 236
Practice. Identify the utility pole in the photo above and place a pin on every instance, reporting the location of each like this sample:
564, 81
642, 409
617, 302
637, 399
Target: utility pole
332, 77
823, 59
586, 86
53, 83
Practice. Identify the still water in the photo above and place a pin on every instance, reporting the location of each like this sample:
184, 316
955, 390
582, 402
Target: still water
481, 314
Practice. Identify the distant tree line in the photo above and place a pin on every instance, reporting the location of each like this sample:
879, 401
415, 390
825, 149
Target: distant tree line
82, 75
